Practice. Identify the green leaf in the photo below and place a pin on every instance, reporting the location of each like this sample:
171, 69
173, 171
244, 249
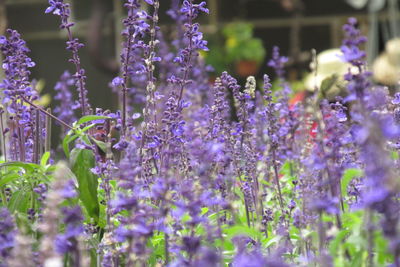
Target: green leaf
88, 118
85, 139
358, 258
101, 145
19, 201
349, 175
102, 217
93, 257
29, 167
9, 178
328, 83
66, 141
45, 159
272, 240
85, 129
243, 230
335, 243
82, 160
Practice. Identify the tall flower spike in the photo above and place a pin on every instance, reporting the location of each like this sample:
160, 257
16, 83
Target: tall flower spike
7, 233
135, 26
278, 63
60, 190
352, 53
273, 135
62, 9
66, 107
195, 42
17, 89
150, 57
351, 44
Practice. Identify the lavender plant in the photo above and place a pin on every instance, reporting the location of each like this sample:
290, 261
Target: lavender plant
198, 179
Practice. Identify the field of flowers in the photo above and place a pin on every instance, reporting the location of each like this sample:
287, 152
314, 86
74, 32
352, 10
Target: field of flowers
209, 174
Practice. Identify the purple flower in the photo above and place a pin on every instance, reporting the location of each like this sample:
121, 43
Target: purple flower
66, 107
208, 257
249, 259
67, 241
292, 204
326, 204
18, 89
191, 244
7, 233
278, 62
192, 10
351, 45
62, 9
193, 39
121, 145
69, 190
41, 190
396, 99
117, 81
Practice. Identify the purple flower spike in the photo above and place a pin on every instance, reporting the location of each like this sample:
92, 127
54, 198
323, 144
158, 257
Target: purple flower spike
278, 62
351, 45
7, 233
62, 9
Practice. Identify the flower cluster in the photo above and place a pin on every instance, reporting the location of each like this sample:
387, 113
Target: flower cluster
211, 174
7, 233
65, 110
62, 9
18, 89
351, 44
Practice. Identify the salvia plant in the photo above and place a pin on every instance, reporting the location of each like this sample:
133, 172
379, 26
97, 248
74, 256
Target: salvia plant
217, 174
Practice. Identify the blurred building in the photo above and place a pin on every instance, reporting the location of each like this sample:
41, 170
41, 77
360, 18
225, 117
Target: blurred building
296, 29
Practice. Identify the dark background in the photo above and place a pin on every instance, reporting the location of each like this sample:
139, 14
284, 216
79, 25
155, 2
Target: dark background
321, 30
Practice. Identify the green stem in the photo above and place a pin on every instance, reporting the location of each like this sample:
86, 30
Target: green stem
3, 197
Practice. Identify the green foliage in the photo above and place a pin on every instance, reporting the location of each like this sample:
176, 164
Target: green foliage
79, 131
22, 178
235, 44
348, 176
240, 43
82, 161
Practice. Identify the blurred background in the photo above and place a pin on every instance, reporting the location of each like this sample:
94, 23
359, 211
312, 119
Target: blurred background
241, 34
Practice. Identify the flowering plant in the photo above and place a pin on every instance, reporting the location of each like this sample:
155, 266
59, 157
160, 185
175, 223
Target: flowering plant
241, 44
197, 178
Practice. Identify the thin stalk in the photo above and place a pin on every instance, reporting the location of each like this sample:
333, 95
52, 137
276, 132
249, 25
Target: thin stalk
3, 197
258, 196
76, 62
77, 255
319, 118
131, 38
188, 61
370, 238
109, 157
150, 106
247, 212
166, 251
47, 113
278, 185
152, 43
21, 140
321, 233
36, 153
129, 249
3, 137
47, 144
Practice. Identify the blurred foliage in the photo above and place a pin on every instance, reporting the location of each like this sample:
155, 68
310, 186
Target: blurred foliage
238, 44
